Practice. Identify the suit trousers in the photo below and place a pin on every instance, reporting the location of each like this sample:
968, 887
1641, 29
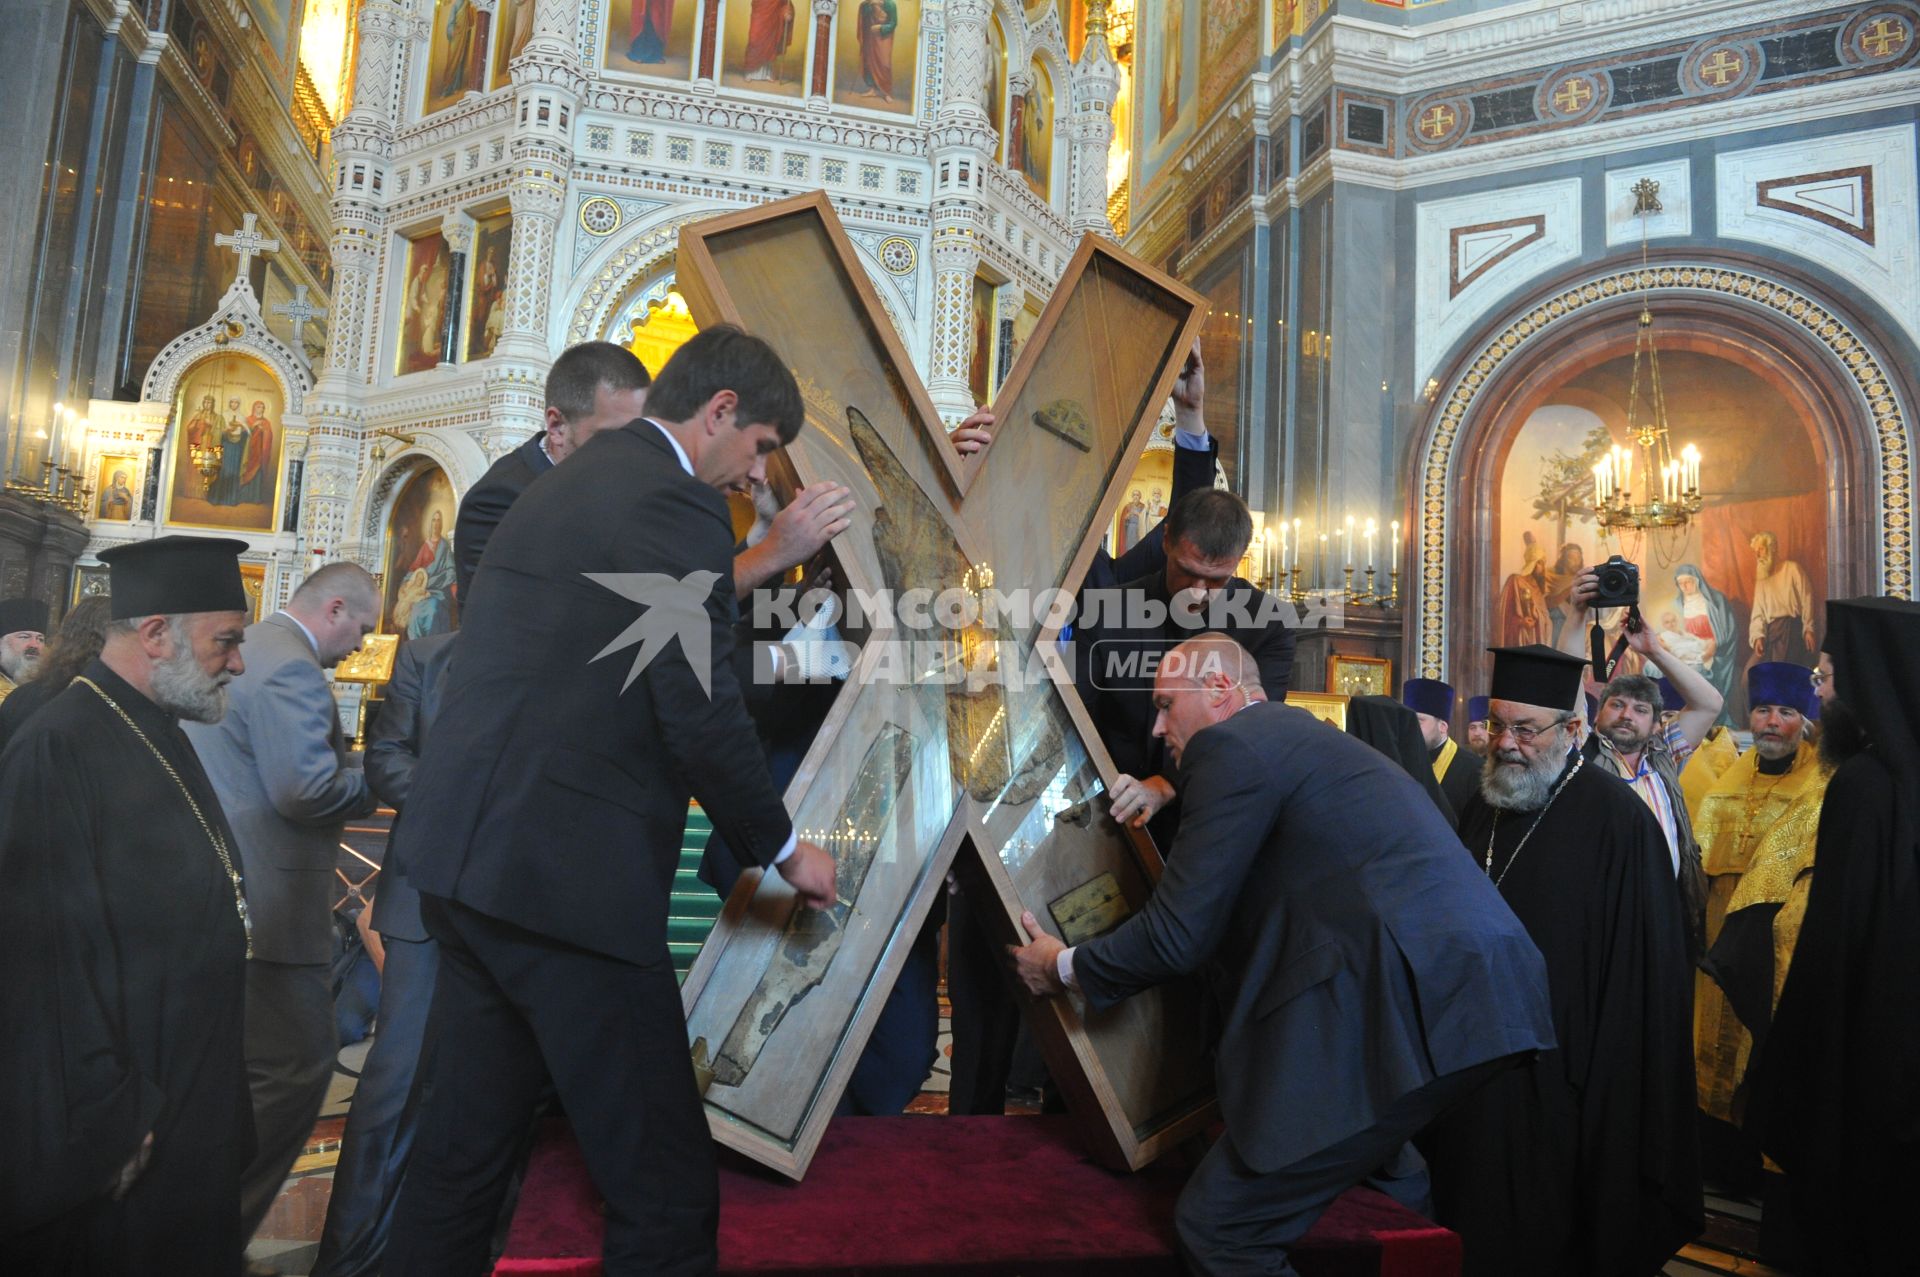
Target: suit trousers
380, 1123
512, 1010
291, 1046
1233, 1220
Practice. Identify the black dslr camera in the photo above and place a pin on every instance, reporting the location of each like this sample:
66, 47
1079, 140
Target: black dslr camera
1617, 584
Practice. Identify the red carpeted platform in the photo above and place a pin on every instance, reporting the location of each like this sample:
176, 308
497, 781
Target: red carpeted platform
932, 1196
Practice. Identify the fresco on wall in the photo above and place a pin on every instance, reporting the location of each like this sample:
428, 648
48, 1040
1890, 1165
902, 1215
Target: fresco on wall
876, 61
764, 46
227, 435
456, 53
419, 576
1165, 84
1223, 343
487, 284
1748, 578
1229, 46
515, 27
1030, 133
652, 37
426, 293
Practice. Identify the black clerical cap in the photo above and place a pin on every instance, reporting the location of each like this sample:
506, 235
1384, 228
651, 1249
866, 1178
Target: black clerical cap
175, 574
1428, 696
17, 615
1536, 675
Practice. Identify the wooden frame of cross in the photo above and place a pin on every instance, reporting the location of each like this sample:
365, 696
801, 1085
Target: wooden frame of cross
909, 775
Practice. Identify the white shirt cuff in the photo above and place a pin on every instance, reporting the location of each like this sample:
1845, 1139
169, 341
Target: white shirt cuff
1063, 964
1193, 442
793, 840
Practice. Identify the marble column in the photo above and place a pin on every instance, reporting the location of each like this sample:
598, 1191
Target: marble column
963, 144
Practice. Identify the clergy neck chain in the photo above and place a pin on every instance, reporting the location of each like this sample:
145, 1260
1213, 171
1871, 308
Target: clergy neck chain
1578, 763
219, 843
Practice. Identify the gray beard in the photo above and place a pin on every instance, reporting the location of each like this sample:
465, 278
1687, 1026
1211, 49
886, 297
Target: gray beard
19, 669
183, 689
1775, 750
1521, 786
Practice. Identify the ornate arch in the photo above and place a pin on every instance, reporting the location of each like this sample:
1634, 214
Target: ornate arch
374, 502
1871, 411
235, 328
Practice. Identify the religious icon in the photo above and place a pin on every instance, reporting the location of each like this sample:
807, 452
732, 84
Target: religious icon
227, 446
1132, 522
1172, 47
253, 579
654, 37
760, 49
876, 66
424, 299
113, 487
980, 367
420, 578
515, 28
1030, 135
456, 53
1351, 675
486, 305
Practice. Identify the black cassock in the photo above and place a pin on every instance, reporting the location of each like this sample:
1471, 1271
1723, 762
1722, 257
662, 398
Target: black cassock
1584, 1162
124, 979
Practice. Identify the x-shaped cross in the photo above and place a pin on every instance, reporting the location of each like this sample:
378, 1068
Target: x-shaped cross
923, 758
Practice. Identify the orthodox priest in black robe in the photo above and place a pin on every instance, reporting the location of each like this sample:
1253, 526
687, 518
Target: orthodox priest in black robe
123, 1097
1833, 1099
1584, 1162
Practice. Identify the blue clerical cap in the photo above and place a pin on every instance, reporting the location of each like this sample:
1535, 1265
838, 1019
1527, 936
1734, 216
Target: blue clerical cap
1784, 684
1476, 709
1428, 696
1670, 697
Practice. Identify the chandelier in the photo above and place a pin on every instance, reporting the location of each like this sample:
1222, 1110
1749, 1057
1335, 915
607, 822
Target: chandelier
1666, 484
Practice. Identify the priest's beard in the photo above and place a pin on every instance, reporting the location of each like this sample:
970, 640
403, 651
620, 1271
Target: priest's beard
18, 667
1841, 733
181, 687
1512, 782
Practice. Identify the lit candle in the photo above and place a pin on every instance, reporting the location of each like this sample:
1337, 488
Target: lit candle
1349, 540
1600, 471
1372, 528
1320, 564
1296, 546
1396, 542
1692, 456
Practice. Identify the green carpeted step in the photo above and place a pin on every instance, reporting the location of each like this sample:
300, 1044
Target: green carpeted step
693, 907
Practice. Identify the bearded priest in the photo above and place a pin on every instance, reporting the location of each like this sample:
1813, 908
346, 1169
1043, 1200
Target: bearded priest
1584, 1163
123, 935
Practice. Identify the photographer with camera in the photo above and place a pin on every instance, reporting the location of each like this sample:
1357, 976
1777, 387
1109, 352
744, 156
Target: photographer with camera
1628, 737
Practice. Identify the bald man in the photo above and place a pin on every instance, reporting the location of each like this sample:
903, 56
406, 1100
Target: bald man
1370, 974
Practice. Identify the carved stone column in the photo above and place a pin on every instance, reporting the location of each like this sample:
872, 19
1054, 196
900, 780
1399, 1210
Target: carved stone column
1096, 82
457, 229
963, 142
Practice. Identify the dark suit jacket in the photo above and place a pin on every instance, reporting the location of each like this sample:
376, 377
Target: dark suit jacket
1192, 472
279, 762
1357, 952
486, 503
555, 797
393, 753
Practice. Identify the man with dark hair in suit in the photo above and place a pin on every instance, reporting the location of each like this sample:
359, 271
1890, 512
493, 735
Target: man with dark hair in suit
591, 387
545, 824
279, 762
1369, 976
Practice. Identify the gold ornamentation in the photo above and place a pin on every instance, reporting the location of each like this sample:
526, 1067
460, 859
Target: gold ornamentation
1573, 94
1438, 121
1722, 68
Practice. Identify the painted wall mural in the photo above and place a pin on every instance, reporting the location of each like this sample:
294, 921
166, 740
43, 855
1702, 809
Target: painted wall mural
1743, 583
1229, 46
1167, 73
1029, 144
456, 53
419, 576
515, 28
487, 284
228, 434
876, 58
652, 37
426, 293
764, 47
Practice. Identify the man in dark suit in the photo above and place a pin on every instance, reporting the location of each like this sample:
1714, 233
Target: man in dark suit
1125, 631
380, 1125
545, 824
591, 387
279, 762
1368, 974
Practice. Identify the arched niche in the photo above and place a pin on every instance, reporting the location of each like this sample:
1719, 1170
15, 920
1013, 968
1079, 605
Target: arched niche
1770, 335
414, 507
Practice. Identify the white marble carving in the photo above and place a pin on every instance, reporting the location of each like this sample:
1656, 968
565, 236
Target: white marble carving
1846, 203
1475, 250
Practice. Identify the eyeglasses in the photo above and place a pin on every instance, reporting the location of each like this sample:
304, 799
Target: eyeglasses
1523, 733
1819, 678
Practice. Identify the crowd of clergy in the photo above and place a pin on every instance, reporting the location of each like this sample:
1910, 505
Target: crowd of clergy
1541, 981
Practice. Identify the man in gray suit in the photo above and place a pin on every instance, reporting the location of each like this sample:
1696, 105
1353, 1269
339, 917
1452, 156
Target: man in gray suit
1367, 975
279, 762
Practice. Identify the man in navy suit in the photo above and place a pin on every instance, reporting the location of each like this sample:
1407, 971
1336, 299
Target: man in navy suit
1368, 974
545, 823
591, 387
